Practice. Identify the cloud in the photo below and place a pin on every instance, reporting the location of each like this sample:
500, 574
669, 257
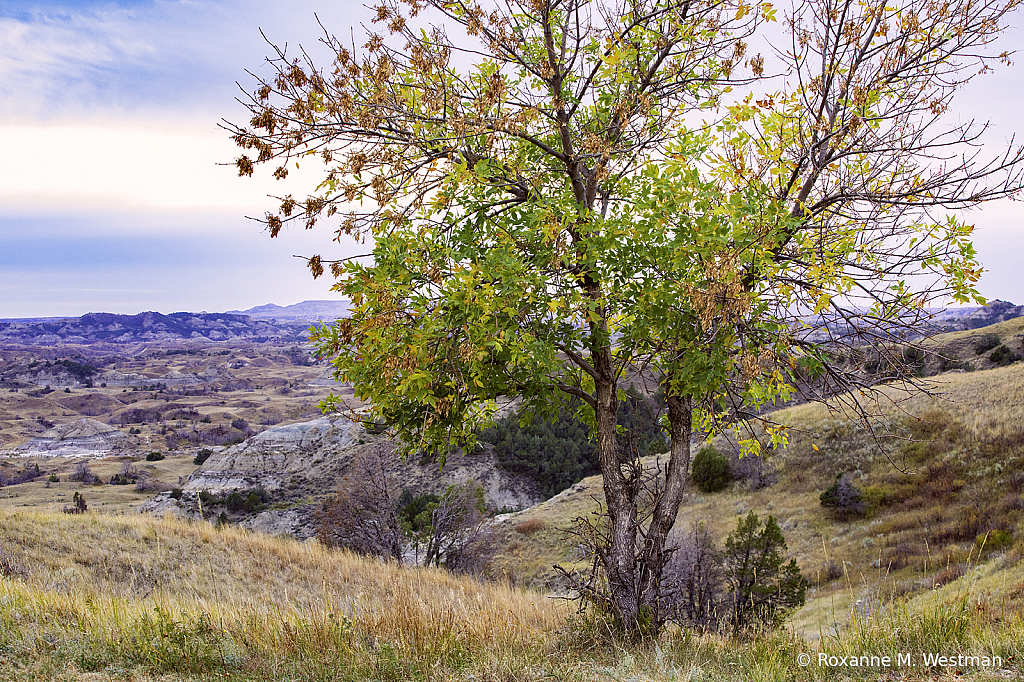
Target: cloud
126, 164
72, 59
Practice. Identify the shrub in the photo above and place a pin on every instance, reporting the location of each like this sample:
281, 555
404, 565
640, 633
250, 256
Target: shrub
202, 456
461, 540
530, 526
986, 343
876, 498
362, 516
763, 589
234, 501
253, 502
79, 505
414, 513
710, 472
82, 475
947, 363
843, 498
176, 493
54, 478
154, 456
994, 540
208, 499
692, 582
1003, 356
128, 474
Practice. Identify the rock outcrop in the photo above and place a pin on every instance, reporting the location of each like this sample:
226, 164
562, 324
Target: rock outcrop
85, 437
302, 464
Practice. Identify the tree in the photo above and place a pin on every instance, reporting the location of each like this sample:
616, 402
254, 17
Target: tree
693, 582
843, 497
560, 192
362, 516
762, 587
710, 470
460, 538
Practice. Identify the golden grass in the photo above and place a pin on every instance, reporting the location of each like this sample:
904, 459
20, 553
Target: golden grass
97, 598
109, 499
229, 598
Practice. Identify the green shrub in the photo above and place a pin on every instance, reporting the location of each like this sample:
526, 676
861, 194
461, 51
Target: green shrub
994, 541
154, 456
843, 498
202, 456
1003, 356
54, 478
176, 493
876, 498
234, 501
986, 343
253, 502
710, 472
764, 590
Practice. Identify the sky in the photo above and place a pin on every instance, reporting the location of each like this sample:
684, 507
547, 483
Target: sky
112, 193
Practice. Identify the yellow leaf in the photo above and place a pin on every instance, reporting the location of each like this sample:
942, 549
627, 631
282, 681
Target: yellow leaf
815, 447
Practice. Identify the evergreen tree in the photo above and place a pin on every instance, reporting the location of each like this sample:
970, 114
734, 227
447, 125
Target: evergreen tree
764, 589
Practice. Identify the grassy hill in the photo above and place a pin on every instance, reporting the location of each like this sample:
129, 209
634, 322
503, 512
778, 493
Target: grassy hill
132, 598
943, 532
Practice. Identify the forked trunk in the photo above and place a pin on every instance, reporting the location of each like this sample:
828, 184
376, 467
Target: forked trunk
666, 508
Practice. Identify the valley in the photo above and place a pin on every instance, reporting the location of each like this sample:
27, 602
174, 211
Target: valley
940, 530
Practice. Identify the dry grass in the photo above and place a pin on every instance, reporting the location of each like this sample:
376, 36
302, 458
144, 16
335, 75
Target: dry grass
38, 495
235, 600
134, 598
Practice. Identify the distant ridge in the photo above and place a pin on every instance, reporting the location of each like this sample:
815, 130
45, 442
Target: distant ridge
308, 311
290, 324
151, 327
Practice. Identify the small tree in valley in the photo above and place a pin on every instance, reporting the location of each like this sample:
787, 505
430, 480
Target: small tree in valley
843, 498
362, 516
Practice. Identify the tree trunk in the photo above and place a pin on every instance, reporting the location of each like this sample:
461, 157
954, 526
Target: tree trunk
666, 508
619, 558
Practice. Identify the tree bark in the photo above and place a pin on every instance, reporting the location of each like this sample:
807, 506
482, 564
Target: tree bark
653, 557
619, 557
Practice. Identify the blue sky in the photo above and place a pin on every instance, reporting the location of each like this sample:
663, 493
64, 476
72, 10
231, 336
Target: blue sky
111, 196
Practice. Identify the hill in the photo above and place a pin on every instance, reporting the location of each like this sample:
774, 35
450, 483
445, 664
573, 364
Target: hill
151, 327
942, 477
103, 597
306, 311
